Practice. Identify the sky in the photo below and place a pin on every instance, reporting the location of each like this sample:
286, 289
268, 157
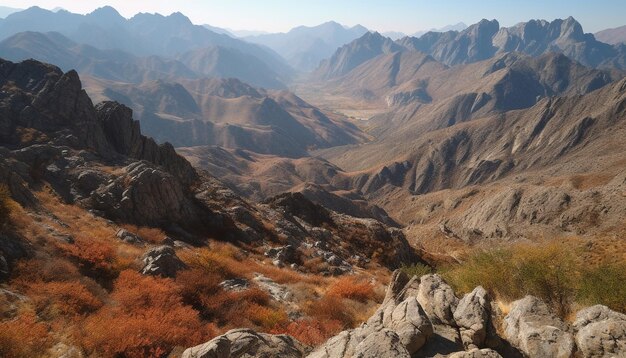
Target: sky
407, 16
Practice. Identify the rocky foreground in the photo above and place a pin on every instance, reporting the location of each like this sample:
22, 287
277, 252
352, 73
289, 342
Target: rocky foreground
422, 317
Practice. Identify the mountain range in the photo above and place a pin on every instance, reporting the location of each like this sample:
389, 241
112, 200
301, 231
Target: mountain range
304, 47
142, 35
482, 41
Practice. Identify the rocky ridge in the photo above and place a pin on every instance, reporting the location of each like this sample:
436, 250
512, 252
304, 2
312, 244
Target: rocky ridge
96, 157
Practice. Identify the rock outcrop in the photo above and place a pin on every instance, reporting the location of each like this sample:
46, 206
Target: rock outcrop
534, 330
401, 327
145, 194
162, 261
472, 314
600, 332
241, 343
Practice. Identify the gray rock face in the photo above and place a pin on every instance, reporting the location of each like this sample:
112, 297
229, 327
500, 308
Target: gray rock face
277, 291
532, 328
244, 343
235, 284
162, 261
363, 342
601, 332
284, 254
438, 299
472, 315
476, 353
128, 237
145, 194
124, 135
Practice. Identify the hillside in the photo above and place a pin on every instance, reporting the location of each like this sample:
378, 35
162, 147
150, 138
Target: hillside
132, 232
229, 113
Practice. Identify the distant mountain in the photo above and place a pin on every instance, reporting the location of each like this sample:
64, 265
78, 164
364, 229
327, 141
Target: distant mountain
612, 36
113, 65
116, 65
457, 27
142, 35
451, 48
355, 53
304, 47
482, 41
246, 33
219, 30
224, 62
536, 37
394, 35
6, 11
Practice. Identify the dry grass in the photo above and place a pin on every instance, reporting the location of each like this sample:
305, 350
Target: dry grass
353, 288
555, 271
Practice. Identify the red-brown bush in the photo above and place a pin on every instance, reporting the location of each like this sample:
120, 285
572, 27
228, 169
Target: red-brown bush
352, 288
146, 318
55, 299
23, 336
311, 331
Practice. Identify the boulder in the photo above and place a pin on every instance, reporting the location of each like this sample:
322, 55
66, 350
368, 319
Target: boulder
363, 342
476, 353
284, 254
242, 343
472, 316
162, 261
235, 284
129, 237
601, 332
536, 332
438, 299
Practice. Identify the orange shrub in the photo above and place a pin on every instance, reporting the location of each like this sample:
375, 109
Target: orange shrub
28, 271
198, 289
266, 318
94, 257
150, 234
23, 337
310, 331
352, 288
56, 299
147, 318
330, 308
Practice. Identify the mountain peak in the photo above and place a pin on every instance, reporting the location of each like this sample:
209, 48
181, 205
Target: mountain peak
105, 10
179, 17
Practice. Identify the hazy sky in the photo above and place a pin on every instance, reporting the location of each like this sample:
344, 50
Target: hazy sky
383, 15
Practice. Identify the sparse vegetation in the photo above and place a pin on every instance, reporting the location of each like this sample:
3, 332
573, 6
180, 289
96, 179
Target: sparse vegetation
604, 283
551, 271
417, 269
